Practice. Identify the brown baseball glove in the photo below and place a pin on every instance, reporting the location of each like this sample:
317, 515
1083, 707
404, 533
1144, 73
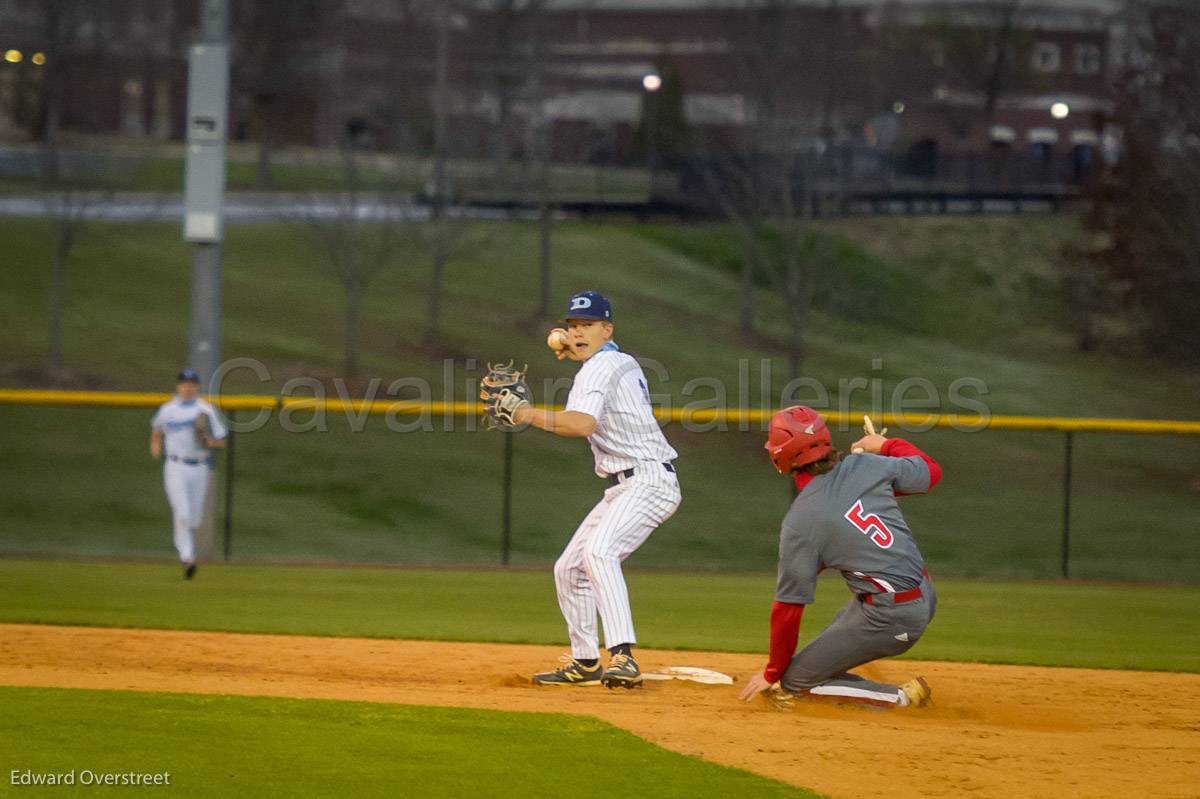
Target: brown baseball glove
203, 430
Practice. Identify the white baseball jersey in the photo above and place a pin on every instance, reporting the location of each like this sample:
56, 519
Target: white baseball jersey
185, 467
176, 420
611, 388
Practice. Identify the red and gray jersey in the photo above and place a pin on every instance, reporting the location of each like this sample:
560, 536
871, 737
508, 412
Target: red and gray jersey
848, 519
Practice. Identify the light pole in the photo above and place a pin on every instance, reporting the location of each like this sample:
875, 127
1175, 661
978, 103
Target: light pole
651, 83
204, 183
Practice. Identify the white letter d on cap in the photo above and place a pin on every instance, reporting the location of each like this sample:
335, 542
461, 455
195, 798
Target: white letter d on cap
580, 303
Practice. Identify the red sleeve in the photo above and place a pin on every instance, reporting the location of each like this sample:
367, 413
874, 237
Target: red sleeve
899, 448
785, 632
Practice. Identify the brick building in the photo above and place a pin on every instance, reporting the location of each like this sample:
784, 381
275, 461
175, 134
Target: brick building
919, 77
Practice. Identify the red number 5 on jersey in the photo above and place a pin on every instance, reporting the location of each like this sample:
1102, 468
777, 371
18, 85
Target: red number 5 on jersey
870, 525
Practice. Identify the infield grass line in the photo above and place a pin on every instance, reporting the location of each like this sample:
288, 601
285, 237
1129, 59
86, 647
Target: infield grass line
1118, 626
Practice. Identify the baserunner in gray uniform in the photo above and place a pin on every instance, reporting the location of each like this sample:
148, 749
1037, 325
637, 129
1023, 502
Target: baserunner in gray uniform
845, 517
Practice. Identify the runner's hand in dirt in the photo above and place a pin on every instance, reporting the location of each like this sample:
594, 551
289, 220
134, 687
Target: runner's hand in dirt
756, 686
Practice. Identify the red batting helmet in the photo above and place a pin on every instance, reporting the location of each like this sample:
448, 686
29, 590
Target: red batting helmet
798, 437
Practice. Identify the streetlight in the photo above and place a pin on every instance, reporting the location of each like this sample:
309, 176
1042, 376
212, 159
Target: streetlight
13, 56
1060, 110
651, 82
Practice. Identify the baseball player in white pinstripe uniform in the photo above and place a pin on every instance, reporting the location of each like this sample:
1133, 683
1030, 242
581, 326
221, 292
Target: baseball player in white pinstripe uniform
186, 445
609, 403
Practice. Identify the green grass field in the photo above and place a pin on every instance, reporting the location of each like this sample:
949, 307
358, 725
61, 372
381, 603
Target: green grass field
221, 746
933, 298
80, 481
1101, 626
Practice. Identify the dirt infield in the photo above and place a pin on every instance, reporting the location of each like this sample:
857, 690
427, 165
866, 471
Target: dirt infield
996, 731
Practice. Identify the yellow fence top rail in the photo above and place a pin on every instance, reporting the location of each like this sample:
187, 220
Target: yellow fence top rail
845, 419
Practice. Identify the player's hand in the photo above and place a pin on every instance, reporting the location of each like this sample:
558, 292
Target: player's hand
559, 341
523, 414
872, 443
754, 687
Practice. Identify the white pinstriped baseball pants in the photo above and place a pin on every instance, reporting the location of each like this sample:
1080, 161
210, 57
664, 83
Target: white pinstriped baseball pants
186, 486
588, 573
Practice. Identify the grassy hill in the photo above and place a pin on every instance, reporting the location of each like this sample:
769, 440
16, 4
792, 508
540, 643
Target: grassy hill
936, 299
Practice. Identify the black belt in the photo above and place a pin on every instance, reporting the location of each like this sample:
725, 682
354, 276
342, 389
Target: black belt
185, 461
616, 477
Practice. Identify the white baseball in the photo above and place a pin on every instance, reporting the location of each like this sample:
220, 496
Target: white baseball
858, 450
557, 340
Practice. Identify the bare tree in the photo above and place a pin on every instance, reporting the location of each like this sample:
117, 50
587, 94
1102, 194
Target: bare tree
764, 180
372, 221
67, 210
1147, 211
358, 232
505, 74
441, 156
71, 179
361, 227
73, 174
540, 149
981, 48
524, 39
731, 170
274, 47
449, 84
60, 20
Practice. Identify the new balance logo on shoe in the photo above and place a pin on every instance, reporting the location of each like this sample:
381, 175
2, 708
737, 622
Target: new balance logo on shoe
572, 672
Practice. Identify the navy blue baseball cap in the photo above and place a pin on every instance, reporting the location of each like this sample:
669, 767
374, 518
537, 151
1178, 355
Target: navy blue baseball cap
589, 305
188, 376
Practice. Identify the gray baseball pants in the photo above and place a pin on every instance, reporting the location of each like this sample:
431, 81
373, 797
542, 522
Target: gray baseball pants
858, 634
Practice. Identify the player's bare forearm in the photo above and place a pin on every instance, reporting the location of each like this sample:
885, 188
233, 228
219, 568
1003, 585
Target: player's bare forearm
214, 443
564, 423
156, 442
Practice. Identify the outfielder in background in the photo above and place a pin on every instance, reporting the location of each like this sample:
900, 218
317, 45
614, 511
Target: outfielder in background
846, 517
185, 430
609, 404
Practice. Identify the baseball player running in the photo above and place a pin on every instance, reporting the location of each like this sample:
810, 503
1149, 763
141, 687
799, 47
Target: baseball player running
185, 429
845, 517
609, 404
